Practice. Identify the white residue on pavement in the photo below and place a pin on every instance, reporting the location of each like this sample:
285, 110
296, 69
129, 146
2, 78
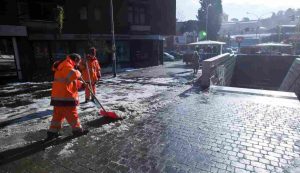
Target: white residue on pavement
127, 99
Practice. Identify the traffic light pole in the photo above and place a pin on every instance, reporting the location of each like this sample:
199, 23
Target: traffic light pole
114, 58
207, 12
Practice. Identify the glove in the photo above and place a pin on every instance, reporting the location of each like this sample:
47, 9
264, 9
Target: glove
79, 84
99, 75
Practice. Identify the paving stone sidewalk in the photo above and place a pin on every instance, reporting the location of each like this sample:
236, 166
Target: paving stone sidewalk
194, 132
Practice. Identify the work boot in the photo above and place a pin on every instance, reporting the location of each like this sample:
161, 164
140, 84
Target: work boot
52, 135
80, 132
87, 100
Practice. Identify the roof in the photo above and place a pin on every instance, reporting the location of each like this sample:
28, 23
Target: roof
208, 42
288, 26
253, 36
273, 45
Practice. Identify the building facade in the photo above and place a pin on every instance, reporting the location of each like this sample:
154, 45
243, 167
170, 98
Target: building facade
31, 41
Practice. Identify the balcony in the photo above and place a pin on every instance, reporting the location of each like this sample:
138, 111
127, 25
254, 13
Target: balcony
140, 28
39, 25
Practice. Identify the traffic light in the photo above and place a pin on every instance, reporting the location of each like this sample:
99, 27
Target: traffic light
202, 35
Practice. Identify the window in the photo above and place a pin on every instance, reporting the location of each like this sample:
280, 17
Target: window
97, 14
137, 15
23, 10
3, 7
130, 15
83, 13
41, 10
142, 16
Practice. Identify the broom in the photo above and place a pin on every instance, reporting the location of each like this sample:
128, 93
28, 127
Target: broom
102, 111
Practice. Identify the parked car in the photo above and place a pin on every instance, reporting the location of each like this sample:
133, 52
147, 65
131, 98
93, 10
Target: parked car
177, 55
234, 50
168, 57
229, 50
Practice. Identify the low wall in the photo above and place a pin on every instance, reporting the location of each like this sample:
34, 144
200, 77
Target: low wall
261, 71
218, 70
291, 82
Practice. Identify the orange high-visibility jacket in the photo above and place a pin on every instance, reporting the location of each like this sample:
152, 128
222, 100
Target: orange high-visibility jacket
65, 84
94, 69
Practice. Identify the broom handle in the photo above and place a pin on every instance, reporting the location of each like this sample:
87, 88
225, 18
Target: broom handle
93, 95
88, 70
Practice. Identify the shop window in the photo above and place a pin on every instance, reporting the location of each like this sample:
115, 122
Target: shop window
123, 51
59, 49
83, 13
41, 50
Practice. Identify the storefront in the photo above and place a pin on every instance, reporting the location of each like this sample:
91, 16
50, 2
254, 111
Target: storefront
131, 51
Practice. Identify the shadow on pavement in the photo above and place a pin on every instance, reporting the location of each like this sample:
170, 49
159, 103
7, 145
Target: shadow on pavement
101, 121
195, 89
21, 152
24, 151
36, 115
184, 66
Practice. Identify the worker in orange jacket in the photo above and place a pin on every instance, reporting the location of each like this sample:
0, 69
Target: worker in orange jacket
91, 72
64, 96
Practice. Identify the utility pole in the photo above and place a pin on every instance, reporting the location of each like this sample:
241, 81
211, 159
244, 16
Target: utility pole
207, 8
279, 33
259, 22
297, 34
113, 39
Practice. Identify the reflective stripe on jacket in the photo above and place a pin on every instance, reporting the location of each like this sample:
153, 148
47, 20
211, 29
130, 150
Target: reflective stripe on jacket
65, 84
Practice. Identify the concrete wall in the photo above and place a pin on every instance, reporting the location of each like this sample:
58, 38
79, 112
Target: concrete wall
218, 70
261, 71
291, 82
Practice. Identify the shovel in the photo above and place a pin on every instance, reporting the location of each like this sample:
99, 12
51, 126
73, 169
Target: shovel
102, 111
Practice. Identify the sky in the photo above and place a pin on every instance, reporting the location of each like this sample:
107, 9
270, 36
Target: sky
187, 9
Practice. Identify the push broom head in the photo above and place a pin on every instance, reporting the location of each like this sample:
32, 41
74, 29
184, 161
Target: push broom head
111, 115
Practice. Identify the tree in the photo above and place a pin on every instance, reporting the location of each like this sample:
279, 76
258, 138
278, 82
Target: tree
214, 10
289, 12
246, 19
273, 15
234, 20
225, 17
60, 18
190, 26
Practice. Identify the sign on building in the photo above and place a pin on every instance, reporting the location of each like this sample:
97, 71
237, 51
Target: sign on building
239, 39
180, 40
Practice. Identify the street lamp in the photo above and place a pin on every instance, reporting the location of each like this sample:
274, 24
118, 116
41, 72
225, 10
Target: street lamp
113, 39
207, 8
258, 22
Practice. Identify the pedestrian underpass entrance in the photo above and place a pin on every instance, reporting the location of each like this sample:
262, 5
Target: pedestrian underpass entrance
267, 72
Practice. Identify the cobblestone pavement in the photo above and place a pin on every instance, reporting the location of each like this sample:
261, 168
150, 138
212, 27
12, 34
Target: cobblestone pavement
194, 132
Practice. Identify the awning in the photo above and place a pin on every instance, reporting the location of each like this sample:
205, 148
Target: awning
13, 31
273, 45
208, 42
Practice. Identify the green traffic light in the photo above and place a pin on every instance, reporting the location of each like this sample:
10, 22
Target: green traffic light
202, 34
